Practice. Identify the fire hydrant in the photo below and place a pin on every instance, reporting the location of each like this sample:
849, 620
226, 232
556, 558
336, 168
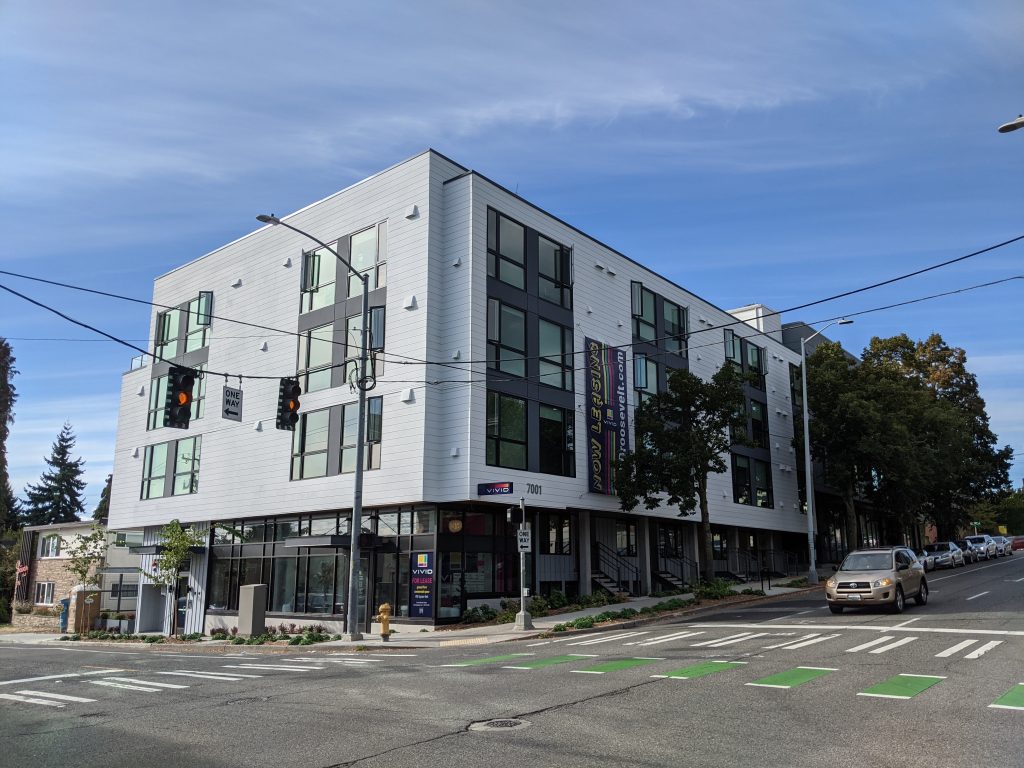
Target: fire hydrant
384, 617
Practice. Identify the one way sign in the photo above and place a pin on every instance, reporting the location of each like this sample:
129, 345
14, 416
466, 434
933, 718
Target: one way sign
232, 408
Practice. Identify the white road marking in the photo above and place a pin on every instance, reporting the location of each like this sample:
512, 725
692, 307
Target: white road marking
720, 639
908, 621
872, 628
805, 643
111, 684
58, 696
955, 649
665, 639
57, 677
145, 682
980, 594
611, 638
737, 640
279, 668
780, 645
897, 644
204, 676
30, 700
575, 637
872, 644
534, 645
979, 652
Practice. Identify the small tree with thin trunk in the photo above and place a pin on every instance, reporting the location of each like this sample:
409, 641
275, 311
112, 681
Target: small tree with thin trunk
85, 554
682, 437
176, 543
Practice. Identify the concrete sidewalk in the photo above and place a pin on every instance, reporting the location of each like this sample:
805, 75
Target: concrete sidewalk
413, 636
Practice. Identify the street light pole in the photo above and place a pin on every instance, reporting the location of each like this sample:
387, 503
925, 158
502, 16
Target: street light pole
352, 607
812, 571
523, 619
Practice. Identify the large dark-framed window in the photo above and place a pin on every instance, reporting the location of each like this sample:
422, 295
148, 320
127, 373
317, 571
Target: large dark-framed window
374, 343
316, 354
365, 250
554, 272
319, 274
180, 458
762, 488
368, 249
506, 431
644, 317
506, 338
506, 249
555, 533
185, 328
310, 442
756, 364
186, 465
350, 435
645, 377
759, 424
733, 348
625, 538
752, 482
741, 479
676, 324
557, 452
556, 362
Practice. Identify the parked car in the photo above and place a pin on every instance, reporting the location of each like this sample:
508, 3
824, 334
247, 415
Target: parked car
927, 559
1004, 545
984, 545
878, 576
1018, 542
970, 553
947, 554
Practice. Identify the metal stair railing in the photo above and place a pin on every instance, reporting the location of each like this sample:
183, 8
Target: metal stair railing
612, 565
680, 566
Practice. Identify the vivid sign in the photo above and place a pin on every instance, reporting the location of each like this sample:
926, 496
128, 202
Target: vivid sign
607, 414
421, 585
493, 489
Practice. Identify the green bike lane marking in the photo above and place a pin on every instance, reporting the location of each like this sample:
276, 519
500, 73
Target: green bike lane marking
903, 686
551, 661
1012, 699
488, 660
701, 670
615, 666
793, 677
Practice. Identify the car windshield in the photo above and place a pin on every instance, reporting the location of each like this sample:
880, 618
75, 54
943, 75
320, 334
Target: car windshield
867, 561
936, 547
976, 539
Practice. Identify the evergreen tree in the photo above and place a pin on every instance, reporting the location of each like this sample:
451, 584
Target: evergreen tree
57, 498
102, 510
8, 501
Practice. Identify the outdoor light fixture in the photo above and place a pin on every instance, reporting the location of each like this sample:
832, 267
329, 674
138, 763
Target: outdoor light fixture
351, 608
1013, 125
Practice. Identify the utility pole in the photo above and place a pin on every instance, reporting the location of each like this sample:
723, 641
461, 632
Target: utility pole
523, 618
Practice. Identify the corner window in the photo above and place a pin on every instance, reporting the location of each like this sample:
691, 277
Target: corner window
319, 273
506, 249
733, 348
309, 445
554, 272
186, 466
154, 471
555, 352
350, 435
368, 255
181, 457
197, 321
506, 338
644, 328
50, 546
675, 327
506, 431
557, 441
316, 348
44, 593
184, 328
167, 340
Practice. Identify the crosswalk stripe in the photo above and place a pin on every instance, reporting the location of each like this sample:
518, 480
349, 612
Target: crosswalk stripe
737, 640
225, 678
58, 696
279, 668
145, 682
983, 649
805, 643
111, 684
955, 649
870, 644
720, 639
665, 639
788, 642
890, 646
217, 674
31, 700
610, 638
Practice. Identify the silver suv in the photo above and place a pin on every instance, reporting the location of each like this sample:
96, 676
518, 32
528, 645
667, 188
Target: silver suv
984, 545
881, 576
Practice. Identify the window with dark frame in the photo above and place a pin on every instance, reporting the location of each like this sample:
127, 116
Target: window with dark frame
625, 539
557, 441
733, 348
759, 424
319, 275
154, 471
374, 344
506, 431
50, 546
676, 324
555, 533
506, 338
554, 272
506, 249
185, 328
741, 480
645, 377
556, 363
186, 466
180, 458
350, 435
368, 250
309, 445
644, 318
316, 356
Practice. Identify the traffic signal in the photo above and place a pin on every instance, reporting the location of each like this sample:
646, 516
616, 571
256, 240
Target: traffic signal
288, 404
178, 404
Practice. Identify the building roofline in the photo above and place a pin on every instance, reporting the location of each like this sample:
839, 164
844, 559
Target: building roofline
54, 526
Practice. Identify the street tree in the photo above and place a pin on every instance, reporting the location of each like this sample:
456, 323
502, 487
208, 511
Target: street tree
8, 395
57, 497
85, 554
102, 511
176, 544
683, 435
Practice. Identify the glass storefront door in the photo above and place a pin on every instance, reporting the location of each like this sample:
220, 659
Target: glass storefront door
449, 587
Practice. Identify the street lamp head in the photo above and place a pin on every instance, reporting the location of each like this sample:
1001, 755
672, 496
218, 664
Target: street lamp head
1013, 125
845, 321
271, 219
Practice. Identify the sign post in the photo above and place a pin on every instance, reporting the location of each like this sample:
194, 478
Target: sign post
523, 618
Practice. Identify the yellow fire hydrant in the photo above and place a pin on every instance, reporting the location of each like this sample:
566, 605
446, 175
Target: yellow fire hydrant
384, 617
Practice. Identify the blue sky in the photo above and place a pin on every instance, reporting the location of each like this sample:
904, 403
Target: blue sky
773, 152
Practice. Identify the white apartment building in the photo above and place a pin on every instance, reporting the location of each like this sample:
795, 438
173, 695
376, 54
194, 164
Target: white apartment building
496, 328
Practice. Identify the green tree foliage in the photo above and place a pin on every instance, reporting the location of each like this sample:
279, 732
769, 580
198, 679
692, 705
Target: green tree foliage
8, 502
682, 436
176, 544
10, 546
57, 497
85, 554
102, 511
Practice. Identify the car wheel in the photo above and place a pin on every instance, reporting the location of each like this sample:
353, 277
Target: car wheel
921, 598
898, 602
836, 608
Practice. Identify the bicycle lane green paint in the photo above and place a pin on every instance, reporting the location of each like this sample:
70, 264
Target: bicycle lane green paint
1012, 699
903, 686
793, 677
551, 661
702, 670
615, 666
488, 660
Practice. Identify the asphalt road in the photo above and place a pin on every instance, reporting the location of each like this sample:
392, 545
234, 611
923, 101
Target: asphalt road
780, 683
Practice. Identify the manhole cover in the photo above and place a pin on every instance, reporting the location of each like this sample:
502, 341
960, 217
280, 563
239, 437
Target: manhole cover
506, 724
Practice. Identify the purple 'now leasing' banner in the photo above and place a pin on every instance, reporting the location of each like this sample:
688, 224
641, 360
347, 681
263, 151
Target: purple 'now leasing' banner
607, 414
